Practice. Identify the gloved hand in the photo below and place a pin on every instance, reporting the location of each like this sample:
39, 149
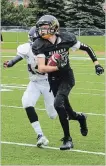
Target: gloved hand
99, 69
8, 64
61, 64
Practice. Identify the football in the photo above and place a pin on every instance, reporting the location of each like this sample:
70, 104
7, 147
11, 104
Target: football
52, 60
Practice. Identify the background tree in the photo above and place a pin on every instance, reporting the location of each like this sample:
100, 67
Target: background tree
84, 14
70, 13
33, 11
53, 7
13, 16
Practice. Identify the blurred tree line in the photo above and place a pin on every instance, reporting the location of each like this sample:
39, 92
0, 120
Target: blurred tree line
70, 13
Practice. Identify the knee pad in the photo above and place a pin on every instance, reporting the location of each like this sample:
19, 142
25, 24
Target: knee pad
32, 115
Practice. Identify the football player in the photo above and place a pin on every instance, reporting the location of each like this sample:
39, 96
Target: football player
61, 77
38, 85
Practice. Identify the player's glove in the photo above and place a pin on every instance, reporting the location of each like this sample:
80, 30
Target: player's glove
99, 69
8, 64
61, 64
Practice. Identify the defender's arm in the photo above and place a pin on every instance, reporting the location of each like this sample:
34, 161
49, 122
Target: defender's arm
12, 62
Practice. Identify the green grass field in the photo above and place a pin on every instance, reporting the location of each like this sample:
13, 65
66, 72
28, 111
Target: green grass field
88, 96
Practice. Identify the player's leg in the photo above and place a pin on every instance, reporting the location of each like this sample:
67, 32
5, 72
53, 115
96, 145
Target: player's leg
48, 100
59, 106
81, 118
29, 100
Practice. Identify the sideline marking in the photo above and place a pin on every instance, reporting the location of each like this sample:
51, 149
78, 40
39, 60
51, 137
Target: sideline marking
54, 148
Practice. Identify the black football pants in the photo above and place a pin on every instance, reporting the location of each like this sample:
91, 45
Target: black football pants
61, 89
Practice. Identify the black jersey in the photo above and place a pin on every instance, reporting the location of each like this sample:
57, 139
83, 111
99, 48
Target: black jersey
62, 44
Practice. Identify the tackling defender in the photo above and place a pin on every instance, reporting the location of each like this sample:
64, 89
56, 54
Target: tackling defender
61, 77
38, 85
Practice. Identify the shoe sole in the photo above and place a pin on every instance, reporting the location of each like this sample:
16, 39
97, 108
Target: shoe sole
66, 148
39, 145
42, 143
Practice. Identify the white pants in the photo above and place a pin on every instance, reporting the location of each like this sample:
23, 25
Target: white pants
33, 92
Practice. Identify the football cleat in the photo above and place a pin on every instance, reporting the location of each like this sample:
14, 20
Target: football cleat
42, 140
83, 124
67, 143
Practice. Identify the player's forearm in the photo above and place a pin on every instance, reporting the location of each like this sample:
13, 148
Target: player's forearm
89, 50
47, 69
14, 61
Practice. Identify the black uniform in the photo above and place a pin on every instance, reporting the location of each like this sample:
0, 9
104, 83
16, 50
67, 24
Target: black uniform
62, 81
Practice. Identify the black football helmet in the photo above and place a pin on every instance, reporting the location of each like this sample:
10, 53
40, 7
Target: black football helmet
32, 34
48, 20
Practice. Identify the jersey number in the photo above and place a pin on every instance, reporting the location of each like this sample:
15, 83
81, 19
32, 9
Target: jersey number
36, 70
30, 69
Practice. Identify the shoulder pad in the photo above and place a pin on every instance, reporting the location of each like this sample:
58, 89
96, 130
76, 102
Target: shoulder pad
23, 49
38, 46
69, 37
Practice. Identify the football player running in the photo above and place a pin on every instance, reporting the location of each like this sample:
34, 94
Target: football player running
38, 85
61, 77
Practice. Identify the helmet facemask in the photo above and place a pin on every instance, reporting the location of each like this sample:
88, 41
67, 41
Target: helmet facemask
46, 31
47, 26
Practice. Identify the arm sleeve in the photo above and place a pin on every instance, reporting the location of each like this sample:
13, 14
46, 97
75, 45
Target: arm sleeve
15, 60
89, 50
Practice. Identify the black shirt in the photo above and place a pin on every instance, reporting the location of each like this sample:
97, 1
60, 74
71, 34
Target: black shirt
43, 46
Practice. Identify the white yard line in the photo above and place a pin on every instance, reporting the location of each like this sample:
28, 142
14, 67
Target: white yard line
11, 87
19, 107
25, 85
42, 109
53, 148
92, 94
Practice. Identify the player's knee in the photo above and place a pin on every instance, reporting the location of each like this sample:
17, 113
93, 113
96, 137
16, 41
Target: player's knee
53, 115
51, 112
60, 108
58, 103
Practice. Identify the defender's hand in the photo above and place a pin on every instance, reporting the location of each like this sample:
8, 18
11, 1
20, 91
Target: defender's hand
7, 64
99, 69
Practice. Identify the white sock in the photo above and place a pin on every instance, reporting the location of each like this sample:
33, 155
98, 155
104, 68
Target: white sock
37, 128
